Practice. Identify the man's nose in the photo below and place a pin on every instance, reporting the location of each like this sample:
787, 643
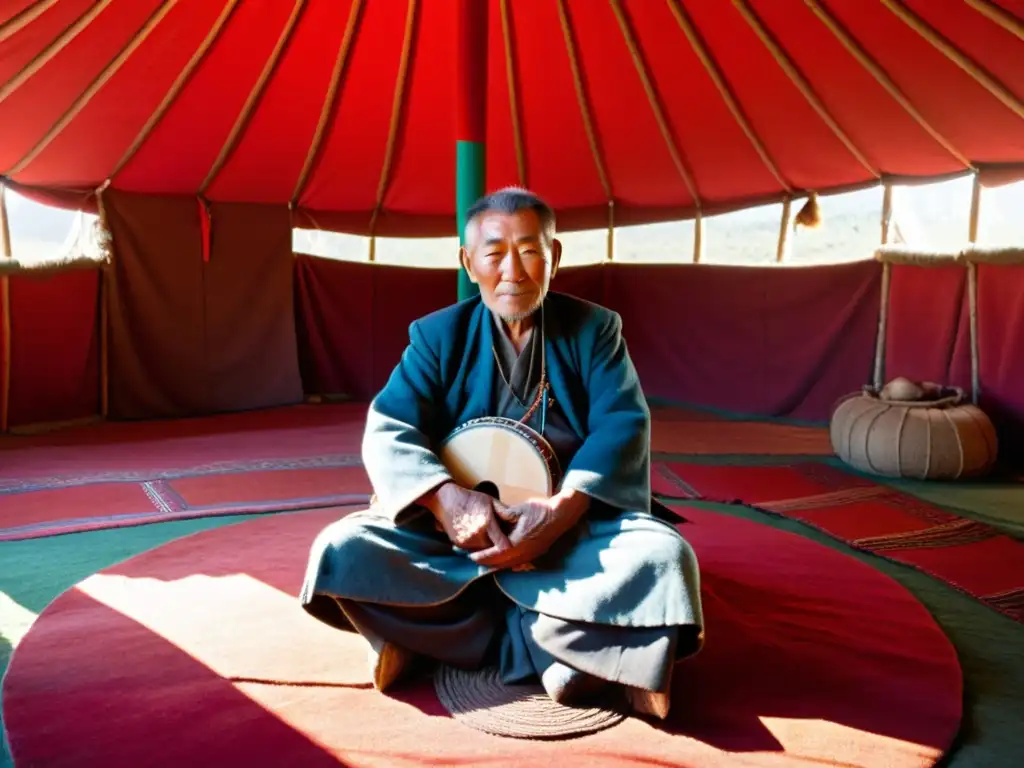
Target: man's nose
512, 267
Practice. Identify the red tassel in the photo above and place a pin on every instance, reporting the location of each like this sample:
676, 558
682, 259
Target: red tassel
204, 228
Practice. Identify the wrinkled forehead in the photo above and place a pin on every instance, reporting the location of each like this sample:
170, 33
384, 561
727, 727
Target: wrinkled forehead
493, 227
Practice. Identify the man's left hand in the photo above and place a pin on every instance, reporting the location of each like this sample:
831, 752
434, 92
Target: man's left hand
536, 526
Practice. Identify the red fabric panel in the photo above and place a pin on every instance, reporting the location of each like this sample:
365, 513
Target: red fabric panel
182, 148
928, 331
637, 157
19, 50
875, 122
949, 97
190, 338
425, 145
147, 75
776, 110
1001, 352
333, 301
353, 150
583, 282
250, 344
996, 49
54, 346
714, 146
773, 342
156, 308
54, 87
558, 161
401, 295
354, 318
501, 168
269, 156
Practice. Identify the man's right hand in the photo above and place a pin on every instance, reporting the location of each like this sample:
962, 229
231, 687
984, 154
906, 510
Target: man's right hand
469, 518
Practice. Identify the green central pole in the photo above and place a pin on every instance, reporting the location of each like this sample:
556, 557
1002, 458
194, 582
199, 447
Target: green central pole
470, 117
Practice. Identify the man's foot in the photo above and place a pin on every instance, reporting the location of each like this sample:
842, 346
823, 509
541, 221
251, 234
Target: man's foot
388, 664
654, 703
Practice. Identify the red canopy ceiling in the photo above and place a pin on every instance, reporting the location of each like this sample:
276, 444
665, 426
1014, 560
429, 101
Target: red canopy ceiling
671, 103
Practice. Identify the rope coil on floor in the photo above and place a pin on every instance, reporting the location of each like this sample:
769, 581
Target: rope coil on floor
481, 700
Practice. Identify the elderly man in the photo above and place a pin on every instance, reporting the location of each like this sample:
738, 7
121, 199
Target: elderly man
435, 572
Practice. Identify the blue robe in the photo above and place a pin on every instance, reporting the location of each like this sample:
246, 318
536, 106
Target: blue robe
617, 598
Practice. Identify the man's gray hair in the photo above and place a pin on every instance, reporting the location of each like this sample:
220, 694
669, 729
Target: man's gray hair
514, 200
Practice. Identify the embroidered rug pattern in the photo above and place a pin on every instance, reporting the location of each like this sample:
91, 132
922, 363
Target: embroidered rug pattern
38, 507
970, 556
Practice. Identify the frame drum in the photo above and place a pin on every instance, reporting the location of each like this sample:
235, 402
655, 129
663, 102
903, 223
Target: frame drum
502, 457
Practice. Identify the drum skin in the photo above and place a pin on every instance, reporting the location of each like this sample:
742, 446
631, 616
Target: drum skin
516, 459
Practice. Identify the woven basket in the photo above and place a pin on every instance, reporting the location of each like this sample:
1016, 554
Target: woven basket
943, 439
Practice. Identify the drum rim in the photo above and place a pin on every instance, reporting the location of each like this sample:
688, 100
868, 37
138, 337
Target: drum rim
517, 427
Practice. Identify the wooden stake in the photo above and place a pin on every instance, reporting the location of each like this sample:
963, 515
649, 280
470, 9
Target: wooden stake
611, 230
886, 211
104, 313
698, 237
972, 291
783, 231
5, 309
878, 378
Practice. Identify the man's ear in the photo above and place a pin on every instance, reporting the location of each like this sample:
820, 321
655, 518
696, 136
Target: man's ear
556, 255
467, 263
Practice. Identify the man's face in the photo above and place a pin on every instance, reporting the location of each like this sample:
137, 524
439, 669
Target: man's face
508, 256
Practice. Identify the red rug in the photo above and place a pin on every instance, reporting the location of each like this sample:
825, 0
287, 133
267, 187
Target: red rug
971, 556
183, 445
33, 509
197, 653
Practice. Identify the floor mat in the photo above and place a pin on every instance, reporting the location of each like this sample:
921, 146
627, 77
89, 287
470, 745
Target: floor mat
35, 509
967, 554
680, 435
798, 669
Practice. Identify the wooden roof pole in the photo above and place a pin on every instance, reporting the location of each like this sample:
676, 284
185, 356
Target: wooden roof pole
94, 87
25, 17
882, 78
588, 123
56, 46
801, 83
172, 93
513, 92
395, 123
999, 15
954, 54
663, 125
714, 71
330, 102
253, 98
